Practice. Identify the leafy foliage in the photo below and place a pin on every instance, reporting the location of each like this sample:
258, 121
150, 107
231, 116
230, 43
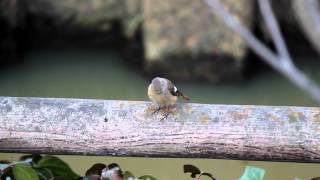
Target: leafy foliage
112, 172
36, 167
57, 167
24, 172
96, 169
127, 175
196, 172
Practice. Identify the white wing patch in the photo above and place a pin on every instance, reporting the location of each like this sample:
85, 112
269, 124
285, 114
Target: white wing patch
175, 89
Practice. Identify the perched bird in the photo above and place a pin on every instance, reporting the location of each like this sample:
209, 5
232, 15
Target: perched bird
163, 93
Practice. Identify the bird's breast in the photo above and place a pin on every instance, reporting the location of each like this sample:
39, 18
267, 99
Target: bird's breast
161, 99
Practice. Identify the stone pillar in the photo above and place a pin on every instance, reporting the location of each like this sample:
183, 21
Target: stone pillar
184, 40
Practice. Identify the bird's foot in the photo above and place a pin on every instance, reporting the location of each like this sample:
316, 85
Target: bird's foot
166, 111
156, 110
165, 115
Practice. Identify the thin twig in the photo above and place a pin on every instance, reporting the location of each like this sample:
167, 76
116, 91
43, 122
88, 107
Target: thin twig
287, 69
252, 41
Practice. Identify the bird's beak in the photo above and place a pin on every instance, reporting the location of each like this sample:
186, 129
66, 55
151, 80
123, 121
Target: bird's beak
181, 95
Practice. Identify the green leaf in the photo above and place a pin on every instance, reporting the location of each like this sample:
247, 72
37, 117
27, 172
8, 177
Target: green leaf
147, 177
96, 169
92, 177
208, 174
24, 172
44, 173
188, 168
127, 174
59, 168
252, 173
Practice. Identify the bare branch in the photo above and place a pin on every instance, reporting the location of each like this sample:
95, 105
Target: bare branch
274, 29
290, 71
78, 126
308, 16
252, 41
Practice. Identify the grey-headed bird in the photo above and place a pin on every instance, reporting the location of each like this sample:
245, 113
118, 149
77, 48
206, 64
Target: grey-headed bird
163, 93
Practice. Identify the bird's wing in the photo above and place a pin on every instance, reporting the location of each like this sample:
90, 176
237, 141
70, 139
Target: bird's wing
163, 86
157, 85
170, 87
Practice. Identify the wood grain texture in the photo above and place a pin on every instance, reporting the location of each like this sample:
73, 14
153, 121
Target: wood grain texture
128, 128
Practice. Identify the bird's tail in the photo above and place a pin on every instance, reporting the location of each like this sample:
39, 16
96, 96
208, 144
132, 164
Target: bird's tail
180, 94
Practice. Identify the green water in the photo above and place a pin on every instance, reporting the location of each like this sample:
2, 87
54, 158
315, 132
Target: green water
105, 75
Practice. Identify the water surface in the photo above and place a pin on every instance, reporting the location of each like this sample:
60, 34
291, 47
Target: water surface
102, 74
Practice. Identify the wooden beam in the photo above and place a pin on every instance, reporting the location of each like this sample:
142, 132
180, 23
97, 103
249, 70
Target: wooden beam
129, 128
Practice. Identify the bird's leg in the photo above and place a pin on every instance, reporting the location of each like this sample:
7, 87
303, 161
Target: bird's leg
169, 108
167, 111
157, 110
165, 116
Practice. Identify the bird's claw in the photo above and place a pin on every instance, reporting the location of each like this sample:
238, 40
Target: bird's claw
157, 110
165, 111
165, 116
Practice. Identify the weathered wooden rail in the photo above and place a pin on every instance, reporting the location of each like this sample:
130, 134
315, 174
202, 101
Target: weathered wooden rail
128, 128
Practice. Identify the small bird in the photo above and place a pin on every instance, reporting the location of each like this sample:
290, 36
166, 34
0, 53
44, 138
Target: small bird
163, 93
